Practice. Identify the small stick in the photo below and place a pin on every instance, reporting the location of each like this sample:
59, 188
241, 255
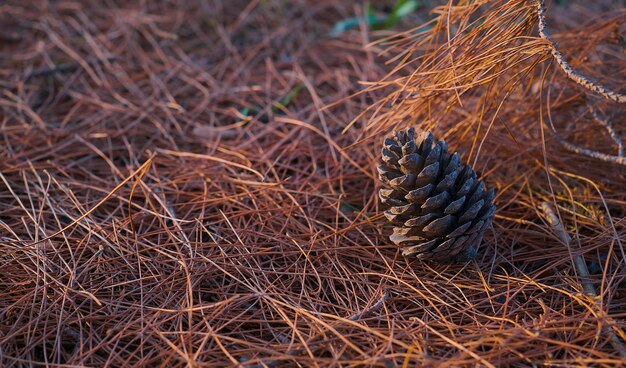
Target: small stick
373, 308
583, 272
569, 71
579, 262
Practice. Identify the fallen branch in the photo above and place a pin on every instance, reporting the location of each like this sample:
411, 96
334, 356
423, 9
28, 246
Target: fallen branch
569, 71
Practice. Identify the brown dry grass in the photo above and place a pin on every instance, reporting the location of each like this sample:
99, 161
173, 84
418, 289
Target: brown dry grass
145, 221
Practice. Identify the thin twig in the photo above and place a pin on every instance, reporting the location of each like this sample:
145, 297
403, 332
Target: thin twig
606, 123
583, 273
567, 68
621, 160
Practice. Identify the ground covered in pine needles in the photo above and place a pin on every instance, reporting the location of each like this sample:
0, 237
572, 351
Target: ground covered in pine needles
194, 184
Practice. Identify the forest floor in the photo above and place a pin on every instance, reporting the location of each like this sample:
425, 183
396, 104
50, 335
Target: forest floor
193, 183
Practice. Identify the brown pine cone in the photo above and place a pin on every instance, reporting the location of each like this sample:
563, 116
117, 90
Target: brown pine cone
440, 208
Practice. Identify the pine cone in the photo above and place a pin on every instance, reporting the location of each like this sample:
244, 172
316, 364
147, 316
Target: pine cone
440, 208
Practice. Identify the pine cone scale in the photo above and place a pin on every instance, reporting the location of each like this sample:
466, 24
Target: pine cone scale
454, 206
419, 195
437, 201
440, 226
